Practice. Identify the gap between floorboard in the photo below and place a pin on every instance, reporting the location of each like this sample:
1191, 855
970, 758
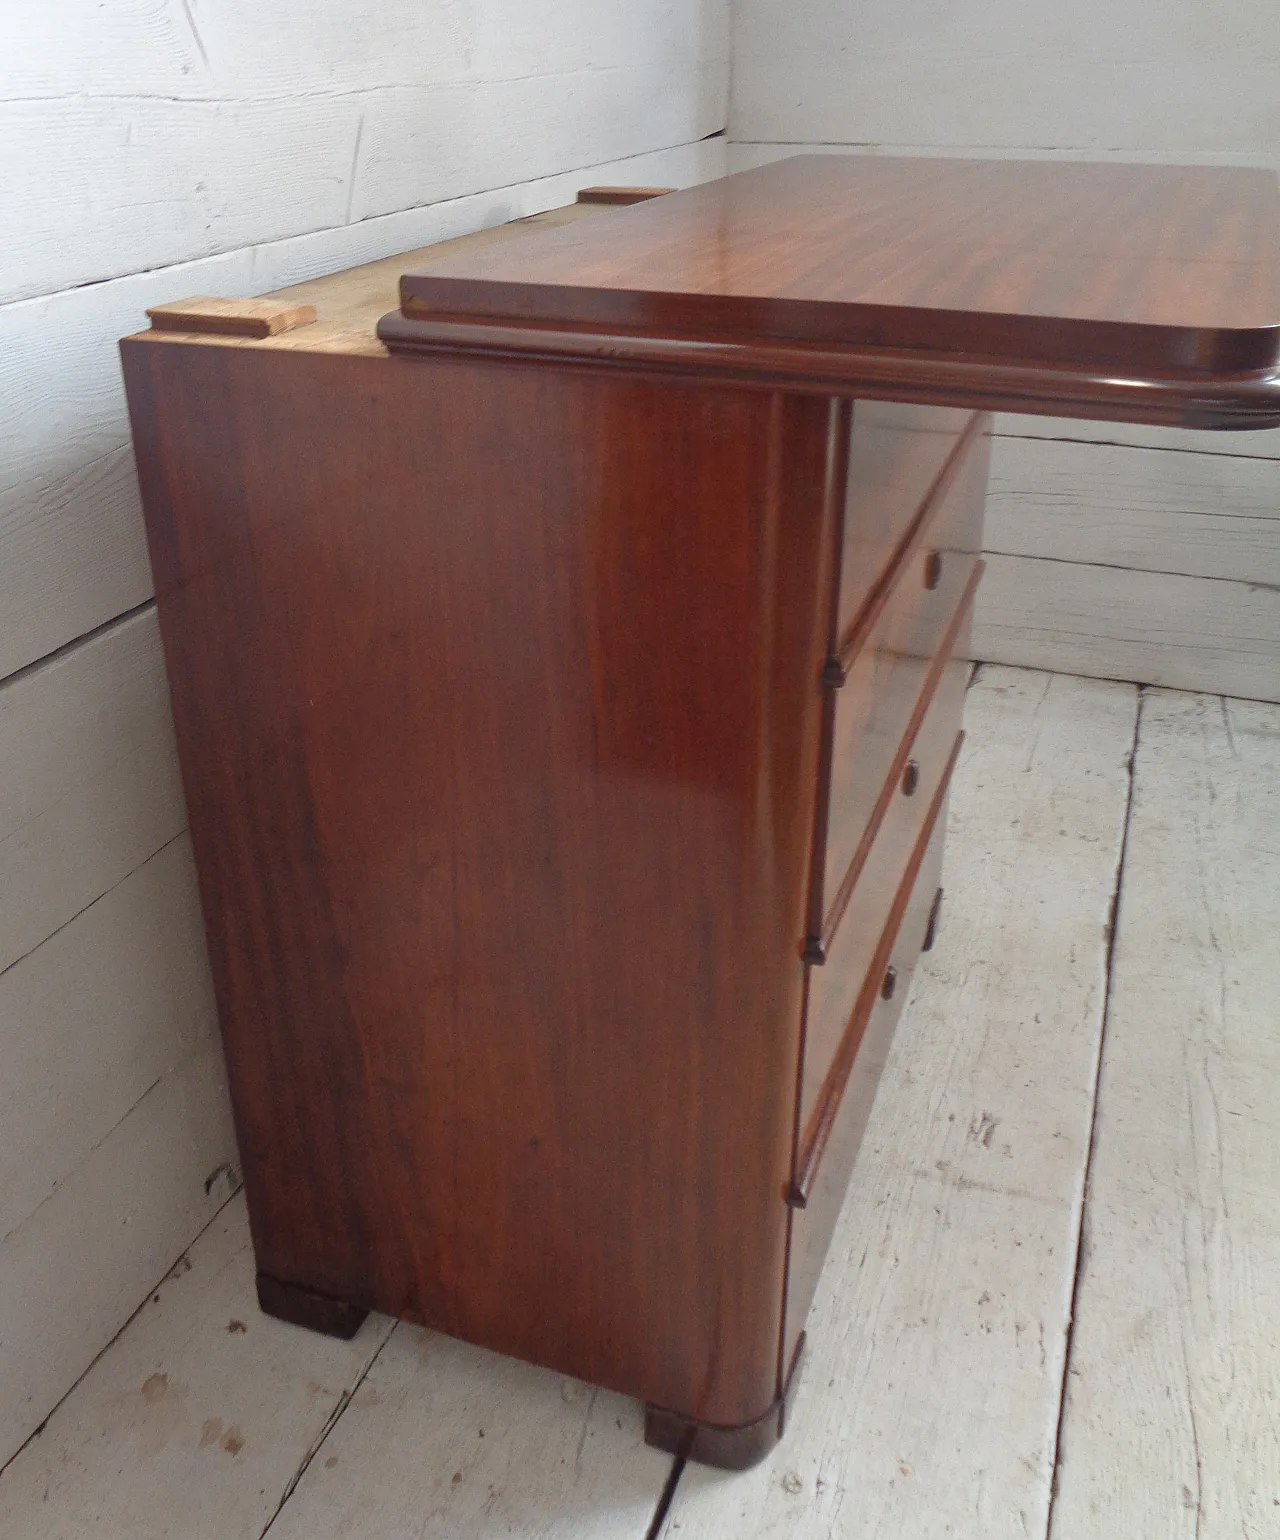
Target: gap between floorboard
344, 1401
107, 1346
1081, 1258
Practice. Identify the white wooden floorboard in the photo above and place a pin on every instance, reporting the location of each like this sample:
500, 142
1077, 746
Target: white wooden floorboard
191, 1428
195, 1421
1172, 1423
444, 1440
1158, 628
73, 1272
930, 1400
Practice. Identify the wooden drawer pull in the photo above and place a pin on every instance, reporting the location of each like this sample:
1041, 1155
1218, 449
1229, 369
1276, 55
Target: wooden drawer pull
881, 980
933, 569
910, 778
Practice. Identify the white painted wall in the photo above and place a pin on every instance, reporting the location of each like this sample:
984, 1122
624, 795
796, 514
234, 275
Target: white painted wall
1153, 562
152, 149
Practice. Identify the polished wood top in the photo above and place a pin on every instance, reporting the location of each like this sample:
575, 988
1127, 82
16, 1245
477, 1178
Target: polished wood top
863, 270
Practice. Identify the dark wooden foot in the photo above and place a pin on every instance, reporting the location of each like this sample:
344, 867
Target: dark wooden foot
709, 1443
932, 930
302, 1307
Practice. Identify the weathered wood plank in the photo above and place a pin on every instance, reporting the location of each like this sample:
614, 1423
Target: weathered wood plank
124, 163
421, 145
1192, 514
193, 1424
1172, 1417
1178, 77
292, 47
74, 1271
92, 1019
72, 552
89, 784
930, 1399
1249, 445
1182, 632
471, 1443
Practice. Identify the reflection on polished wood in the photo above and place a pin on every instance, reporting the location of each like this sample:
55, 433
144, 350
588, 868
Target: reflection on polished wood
566, 696
1135, 292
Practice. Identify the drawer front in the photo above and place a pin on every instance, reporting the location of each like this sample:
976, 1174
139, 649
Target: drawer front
896, 453
813, 1224
834, 986
887, 680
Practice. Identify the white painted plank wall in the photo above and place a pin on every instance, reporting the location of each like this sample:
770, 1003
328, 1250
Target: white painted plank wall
152, 149
1198, 515
72, 549
1128, 562
154, 122
1192, 81
1168, 77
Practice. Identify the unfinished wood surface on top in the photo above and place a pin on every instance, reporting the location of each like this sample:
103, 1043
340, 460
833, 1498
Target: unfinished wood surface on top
230, 317
1099, 270
345, 306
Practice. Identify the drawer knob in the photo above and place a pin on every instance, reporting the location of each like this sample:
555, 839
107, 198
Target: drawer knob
933, 569
910, 778
890, 983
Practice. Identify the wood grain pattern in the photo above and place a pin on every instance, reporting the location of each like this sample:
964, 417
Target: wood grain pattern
347, 305
622, 196
499, 694
887, 667
1169, 1421
896, 454
927, 1375
72, 545
1086, 269
937, 1339
229, 317
579, 916
822, 1179
835, 985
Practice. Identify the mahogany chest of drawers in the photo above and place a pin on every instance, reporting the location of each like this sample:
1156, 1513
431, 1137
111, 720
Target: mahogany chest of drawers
568, 675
